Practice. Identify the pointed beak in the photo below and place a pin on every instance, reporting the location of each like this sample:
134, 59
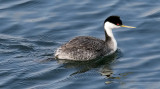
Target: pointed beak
127, 26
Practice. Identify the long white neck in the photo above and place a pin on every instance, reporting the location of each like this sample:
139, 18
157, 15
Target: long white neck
108, 28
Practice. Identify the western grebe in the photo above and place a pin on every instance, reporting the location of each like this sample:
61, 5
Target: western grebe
84, 48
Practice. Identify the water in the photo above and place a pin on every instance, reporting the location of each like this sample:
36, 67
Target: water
31, 30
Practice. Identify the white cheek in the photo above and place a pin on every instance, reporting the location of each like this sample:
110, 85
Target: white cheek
114, 26
110, 25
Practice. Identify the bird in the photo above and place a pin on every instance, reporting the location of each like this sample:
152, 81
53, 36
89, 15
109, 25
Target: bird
83, 48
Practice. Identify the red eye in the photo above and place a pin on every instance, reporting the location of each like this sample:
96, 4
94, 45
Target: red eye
117, 23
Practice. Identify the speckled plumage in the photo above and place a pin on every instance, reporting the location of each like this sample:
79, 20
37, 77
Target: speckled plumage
84, 48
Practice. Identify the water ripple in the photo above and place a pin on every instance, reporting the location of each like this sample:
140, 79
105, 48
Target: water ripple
11, 4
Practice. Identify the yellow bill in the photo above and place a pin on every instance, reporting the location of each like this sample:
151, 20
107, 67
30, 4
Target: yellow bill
127, 26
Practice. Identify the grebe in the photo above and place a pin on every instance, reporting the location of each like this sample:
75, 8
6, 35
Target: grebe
85, 48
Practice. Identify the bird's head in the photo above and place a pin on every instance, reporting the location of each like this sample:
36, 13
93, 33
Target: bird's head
114, 22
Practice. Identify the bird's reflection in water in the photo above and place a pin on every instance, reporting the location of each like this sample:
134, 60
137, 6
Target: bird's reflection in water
103, 64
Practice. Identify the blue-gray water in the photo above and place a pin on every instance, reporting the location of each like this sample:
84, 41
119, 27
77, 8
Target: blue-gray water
31, 30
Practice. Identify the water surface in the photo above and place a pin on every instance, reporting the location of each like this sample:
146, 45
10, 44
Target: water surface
31, 30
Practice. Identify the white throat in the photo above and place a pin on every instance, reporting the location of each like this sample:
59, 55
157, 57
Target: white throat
108, 28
